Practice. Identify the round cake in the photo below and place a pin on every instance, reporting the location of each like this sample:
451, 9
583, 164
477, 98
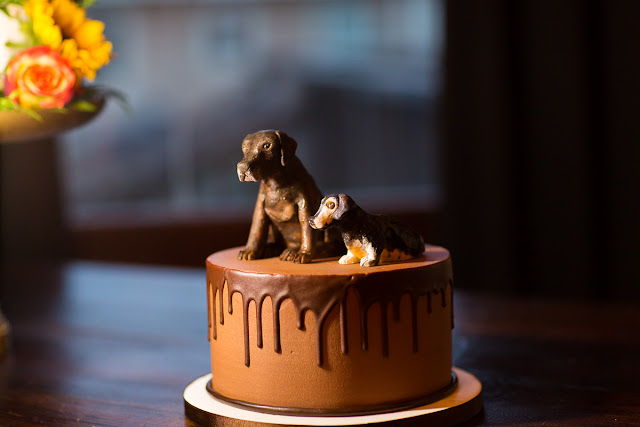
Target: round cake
327, 338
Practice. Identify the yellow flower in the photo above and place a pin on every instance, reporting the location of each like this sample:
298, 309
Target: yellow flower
47, 32
85, 62
80, 59
44, 25
89, 34
62, 24
68, 15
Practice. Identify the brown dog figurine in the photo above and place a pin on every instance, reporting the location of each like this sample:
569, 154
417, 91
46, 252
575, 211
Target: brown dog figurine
287, 197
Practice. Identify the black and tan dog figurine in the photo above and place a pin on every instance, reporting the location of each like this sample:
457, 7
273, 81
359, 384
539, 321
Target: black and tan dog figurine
286, 199
369, 238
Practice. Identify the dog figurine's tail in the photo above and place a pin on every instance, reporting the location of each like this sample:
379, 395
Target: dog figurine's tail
401, 235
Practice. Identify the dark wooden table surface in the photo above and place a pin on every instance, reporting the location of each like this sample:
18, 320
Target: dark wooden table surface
115, 345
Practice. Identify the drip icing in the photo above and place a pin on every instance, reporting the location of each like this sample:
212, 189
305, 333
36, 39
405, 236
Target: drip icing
344, 344
276, 327
245, 321
259, 323
211, 300
320, 293
219, 293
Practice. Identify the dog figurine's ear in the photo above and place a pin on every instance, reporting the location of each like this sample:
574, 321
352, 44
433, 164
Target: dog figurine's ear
345, 203
288, 147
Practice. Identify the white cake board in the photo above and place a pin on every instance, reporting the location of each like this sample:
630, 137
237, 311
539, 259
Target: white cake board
462, 404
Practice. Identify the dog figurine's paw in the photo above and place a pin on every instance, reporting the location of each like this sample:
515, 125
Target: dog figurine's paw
349, 258
296, 256
303, 258
368, 262
248, 254
288, 254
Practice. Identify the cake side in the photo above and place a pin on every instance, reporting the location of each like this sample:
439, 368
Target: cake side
329, 336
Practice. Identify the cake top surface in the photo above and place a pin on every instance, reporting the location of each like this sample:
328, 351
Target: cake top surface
322, 267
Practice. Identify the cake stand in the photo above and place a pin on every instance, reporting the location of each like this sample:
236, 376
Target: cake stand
461, 405
16, 127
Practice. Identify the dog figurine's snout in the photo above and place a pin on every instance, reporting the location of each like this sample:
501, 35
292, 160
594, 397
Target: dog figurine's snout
325, 213
244, 173
312, 223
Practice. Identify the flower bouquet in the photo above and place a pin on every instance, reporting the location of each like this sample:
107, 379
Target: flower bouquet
49, 53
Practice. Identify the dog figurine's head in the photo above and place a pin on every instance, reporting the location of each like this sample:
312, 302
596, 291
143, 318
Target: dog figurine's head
332, 209
265, 152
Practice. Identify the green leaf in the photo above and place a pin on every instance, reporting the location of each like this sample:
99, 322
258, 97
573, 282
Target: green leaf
31, 113
14, 45
85, 3
26, 27
5, 3
90, 92
82, 105
7, 105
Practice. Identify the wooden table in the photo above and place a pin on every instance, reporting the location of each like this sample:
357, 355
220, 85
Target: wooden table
115, 345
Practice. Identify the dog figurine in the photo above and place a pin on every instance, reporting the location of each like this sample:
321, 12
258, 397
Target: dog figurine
286, 199
369, 238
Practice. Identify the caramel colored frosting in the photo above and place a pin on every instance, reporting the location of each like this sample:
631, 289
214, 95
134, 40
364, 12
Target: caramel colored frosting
276, 326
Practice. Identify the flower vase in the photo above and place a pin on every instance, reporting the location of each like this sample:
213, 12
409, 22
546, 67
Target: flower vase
18, 127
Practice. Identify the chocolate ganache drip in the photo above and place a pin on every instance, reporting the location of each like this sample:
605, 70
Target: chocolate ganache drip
320, 293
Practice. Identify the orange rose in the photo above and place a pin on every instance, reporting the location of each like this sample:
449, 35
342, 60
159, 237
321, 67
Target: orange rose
39, 77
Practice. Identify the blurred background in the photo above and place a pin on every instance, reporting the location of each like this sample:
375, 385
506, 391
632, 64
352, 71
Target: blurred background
355, 83
505, 131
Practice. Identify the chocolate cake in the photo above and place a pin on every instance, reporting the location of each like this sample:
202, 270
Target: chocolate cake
325, 338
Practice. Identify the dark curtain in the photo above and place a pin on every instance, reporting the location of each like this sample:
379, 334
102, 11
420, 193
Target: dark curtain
542, 146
